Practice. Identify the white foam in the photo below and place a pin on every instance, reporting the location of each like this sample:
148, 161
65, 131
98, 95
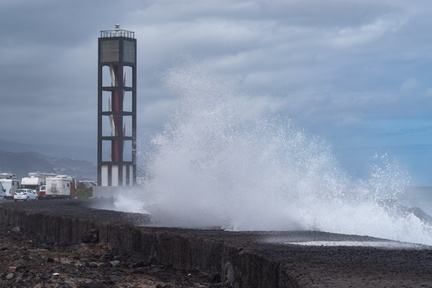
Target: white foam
222, 160
378, 244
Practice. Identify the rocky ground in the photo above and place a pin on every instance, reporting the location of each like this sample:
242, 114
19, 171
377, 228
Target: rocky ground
26, 261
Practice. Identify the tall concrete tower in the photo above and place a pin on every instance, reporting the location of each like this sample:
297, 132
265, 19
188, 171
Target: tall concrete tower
117, 107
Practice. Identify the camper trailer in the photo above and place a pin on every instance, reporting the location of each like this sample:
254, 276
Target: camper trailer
9, 183
2, 193
59, 186
35, 180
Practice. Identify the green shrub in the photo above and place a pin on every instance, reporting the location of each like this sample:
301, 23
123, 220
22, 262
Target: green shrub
84, 193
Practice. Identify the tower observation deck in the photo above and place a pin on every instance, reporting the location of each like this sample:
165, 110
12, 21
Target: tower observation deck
117, 33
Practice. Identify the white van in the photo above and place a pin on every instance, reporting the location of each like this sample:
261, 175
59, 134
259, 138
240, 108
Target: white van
10, 183
2, 193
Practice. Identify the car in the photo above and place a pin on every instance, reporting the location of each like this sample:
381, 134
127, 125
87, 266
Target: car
25, 195
42, 191
88, 185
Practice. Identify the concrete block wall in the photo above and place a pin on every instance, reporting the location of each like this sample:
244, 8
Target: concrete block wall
210, 251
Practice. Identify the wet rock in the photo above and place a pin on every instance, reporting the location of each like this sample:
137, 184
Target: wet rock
114, 263
165, 286
107, 257
152, 261
215, 278
91, 236
154, 270
93, 265
138, 264
140, 270
9, 276
92, 285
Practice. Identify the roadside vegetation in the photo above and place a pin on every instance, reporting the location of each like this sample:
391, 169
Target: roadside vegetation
84, 193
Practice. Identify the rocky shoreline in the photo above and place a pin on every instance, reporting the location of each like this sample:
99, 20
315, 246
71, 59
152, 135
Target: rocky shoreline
28, 261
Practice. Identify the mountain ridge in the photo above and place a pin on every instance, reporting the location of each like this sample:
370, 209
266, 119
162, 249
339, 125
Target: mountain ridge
21, 159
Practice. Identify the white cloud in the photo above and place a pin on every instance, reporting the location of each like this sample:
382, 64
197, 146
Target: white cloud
364, 34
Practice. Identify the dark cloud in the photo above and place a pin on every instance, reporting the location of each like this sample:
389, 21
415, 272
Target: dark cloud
330, 66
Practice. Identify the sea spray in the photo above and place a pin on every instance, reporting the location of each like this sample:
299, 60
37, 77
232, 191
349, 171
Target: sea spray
223, 160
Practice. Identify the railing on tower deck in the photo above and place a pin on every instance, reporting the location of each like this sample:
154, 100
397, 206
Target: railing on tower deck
117, 33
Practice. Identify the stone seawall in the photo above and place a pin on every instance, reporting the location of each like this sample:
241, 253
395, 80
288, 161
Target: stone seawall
206, 250
241, 259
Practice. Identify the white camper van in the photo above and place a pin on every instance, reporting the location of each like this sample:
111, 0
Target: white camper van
35, 180
2, 193
10, 183
59, 186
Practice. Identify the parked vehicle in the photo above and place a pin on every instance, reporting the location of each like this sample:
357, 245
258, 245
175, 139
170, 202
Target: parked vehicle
42, 191
35, 180
2, 193
10, 183
25, 195
59, 186
86, 185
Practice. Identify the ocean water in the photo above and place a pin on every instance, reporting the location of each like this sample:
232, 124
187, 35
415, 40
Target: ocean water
223, 160
418, 196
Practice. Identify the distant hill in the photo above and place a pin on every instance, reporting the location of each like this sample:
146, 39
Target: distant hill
70, 152
21, 163
22, 158
79, 169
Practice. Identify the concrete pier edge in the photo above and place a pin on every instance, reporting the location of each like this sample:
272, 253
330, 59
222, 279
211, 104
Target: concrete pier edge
240, 259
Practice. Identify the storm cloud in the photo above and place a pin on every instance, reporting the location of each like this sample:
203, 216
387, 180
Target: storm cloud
355, 73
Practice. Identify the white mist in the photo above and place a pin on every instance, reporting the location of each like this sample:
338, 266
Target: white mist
220, 162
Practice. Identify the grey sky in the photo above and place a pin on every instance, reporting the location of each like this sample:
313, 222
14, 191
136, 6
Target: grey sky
356, 73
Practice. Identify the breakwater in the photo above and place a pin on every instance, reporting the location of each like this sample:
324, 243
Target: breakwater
241, 259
